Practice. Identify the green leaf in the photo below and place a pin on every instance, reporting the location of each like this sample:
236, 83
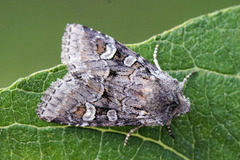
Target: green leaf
208, 44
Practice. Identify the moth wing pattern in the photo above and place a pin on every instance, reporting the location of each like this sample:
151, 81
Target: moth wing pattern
109, 85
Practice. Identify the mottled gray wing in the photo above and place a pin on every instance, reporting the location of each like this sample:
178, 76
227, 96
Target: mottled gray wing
107, 85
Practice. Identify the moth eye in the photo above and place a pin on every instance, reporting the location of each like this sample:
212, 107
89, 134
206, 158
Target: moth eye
175, 81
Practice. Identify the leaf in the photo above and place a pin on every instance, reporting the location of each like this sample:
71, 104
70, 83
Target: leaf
208, 44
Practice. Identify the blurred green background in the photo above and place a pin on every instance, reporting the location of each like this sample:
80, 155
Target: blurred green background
31, 31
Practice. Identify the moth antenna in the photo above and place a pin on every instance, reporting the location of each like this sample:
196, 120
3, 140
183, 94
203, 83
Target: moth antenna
129, 134
185, 79
155, 57
170, 131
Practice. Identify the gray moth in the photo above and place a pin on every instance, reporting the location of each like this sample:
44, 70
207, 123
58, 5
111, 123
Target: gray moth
108, 84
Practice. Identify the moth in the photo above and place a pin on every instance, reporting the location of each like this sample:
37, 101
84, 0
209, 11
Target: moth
108, 84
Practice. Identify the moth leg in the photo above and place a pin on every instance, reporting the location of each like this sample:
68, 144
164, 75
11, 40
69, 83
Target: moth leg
129, 134
155, 57
170, 131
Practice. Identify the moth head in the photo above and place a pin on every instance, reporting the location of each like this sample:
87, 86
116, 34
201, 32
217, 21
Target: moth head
175, 109
176, 104
183, 106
